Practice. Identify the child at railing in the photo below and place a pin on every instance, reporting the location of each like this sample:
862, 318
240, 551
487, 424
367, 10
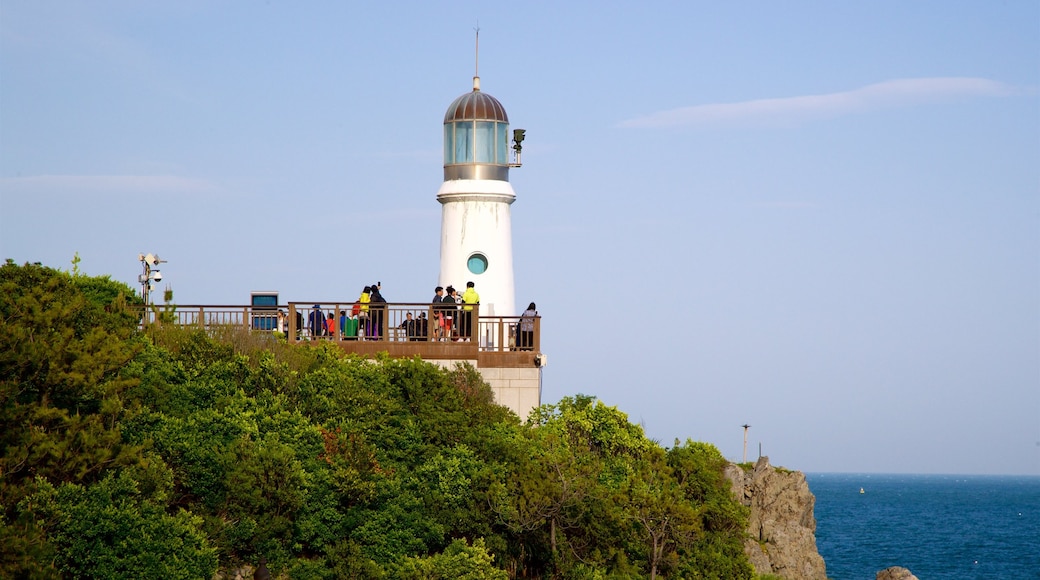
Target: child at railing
330, 325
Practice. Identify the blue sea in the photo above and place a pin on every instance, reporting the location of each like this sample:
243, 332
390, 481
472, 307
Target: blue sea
937, 526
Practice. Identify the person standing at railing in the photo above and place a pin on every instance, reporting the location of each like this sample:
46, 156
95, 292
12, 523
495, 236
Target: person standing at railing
448, 308
316, 322
348, 325
330, 325
409, 326
525, 328
279, 324
422, 329
438, 315
469, 298
377, 315
364, 323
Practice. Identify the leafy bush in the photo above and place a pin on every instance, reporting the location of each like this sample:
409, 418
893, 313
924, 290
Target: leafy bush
110, 530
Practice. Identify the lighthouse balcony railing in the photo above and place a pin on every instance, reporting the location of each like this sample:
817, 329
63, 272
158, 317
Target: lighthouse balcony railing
430, 328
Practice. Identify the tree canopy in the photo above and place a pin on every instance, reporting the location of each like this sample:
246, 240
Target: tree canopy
175, 453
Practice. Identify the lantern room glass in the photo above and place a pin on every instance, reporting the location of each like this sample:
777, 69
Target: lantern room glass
463, 142
476, 142
484, 142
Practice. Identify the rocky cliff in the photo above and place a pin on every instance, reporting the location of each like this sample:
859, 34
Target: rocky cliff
895, 573
782, 528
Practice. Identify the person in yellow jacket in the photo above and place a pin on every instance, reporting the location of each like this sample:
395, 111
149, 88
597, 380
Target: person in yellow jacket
364, 322
469, 298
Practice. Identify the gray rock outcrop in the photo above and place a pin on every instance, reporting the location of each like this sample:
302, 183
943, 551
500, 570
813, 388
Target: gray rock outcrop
782, 529
895, 573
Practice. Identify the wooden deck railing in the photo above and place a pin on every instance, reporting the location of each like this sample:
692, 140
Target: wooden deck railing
377, 328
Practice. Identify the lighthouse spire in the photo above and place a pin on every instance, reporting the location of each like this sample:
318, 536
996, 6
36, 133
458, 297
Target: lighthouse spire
476, 62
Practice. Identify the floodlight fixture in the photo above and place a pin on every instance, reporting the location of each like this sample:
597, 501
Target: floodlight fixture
148, 274
518, 139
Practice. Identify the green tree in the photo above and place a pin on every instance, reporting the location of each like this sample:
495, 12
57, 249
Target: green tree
395, 526
64, 343
109, 530
457, 489
459, 561
719, 553
664, 519
266, 485
578, 454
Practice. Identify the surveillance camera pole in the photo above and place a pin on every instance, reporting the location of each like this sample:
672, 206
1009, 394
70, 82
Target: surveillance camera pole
148, 274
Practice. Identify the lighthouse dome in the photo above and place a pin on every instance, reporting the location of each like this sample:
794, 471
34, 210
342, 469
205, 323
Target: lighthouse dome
476, 106
476, 137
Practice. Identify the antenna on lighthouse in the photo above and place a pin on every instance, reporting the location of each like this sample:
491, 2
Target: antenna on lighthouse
476, 62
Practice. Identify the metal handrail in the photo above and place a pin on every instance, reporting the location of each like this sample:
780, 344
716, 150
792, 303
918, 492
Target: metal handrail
381, 322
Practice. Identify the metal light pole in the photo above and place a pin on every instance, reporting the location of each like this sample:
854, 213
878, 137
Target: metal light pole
745, 442
149, 274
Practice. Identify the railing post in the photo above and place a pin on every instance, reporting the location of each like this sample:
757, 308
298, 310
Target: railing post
503, 336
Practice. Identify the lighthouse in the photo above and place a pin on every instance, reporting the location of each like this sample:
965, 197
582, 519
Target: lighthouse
475, 198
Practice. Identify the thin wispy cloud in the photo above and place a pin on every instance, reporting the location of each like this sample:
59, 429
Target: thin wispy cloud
800, 109
99, 185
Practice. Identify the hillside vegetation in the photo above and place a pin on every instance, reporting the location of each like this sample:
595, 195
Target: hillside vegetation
174, 453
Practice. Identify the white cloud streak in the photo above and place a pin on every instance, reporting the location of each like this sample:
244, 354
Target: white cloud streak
796, 110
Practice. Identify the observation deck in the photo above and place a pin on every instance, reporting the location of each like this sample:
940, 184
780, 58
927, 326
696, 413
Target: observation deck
493, 341
506, 350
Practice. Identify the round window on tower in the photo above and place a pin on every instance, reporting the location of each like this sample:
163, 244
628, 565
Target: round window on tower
477, 263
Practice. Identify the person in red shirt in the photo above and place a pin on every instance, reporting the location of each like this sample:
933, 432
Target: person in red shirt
330, 325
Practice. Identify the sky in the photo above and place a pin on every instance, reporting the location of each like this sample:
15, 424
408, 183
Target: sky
821, 219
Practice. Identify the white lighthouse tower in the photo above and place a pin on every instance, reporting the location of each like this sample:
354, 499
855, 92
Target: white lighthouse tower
476, 230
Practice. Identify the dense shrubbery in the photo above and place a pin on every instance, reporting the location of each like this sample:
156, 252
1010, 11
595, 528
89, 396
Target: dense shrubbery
172, 454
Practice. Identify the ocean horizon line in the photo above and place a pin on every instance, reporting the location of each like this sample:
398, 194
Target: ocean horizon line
920, 474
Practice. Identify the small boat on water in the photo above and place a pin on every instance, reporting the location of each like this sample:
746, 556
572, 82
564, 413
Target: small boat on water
861, 490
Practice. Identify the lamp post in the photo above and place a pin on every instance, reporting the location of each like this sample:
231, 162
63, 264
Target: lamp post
149, 274
745, 425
